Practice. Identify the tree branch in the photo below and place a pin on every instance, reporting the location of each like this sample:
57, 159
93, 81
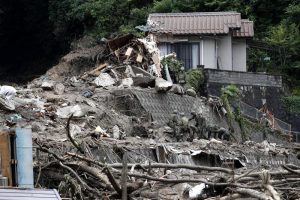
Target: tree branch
70, 136
252, 193
112, 180
164, 180
290, 170
84, 184
175, 166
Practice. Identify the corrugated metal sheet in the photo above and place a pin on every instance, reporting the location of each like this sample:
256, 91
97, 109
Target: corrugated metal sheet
247, 29
28, 194
199, 23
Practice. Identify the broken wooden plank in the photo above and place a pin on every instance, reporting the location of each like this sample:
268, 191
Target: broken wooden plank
94, 72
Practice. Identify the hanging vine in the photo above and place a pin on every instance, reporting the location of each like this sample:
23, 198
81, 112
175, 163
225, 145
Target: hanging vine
230, 98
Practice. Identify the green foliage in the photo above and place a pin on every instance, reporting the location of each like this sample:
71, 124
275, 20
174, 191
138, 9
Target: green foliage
230, 96
293, 13
195, 79
242, 123
163, 6
174, 66
285, 35
296, 91
276, 22
99, 18
292, 103
230, 91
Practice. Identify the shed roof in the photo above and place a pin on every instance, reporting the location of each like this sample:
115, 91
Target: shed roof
28, 194
199, 23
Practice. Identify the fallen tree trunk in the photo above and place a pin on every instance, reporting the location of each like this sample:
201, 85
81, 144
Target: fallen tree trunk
252, 193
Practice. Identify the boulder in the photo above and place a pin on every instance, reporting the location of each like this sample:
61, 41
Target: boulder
144, 81
66, 112
127, 82
47, 85
177, 89
59, 88
104, 80
191, 92
161, 85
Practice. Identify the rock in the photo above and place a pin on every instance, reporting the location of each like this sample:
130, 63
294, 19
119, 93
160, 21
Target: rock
202, 143
196, 191
53, 98
66, 112
144, 81
129, 72
47, 85
37, 127
59, 88
161, 85
181, 189
74, 130
6, 104
177, 89
101, 132
90, 103
14, 118
213, 140
116, 132
73, 79
191, 92
104, 80
127, 82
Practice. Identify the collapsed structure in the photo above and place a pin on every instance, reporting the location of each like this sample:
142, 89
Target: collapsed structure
101, 132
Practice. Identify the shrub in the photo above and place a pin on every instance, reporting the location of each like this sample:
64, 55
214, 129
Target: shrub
195, 79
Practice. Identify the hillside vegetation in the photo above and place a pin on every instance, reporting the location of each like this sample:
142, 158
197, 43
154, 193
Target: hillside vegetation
276, 23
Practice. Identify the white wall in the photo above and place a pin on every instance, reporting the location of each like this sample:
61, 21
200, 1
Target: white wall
231, 53
225, 52
239, 55
209, 54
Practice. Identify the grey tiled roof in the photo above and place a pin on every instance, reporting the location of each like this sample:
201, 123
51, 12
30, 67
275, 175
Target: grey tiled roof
247, 29
200, 23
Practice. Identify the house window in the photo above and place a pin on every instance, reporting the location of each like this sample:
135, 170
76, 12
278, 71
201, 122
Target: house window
187, 53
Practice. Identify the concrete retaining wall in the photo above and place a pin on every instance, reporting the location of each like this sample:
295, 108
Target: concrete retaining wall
242, 78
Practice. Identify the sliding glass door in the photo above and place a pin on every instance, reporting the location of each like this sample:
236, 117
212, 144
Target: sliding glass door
187, 53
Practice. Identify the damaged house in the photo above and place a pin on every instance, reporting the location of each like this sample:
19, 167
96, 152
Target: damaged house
218, 42
215, 40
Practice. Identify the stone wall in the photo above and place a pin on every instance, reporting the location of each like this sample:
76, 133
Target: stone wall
242, 78
256, 89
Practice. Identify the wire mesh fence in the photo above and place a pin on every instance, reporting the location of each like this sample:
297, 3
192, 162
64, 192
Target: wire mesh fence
296, 136
254, 113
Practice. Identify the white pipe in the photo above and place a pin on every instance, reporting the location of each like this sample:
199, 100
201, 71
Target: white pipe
202, 53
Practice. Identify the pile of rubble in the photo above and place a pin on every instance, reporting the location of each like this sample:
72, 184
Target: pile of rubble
124, 61
110, 169
88, 146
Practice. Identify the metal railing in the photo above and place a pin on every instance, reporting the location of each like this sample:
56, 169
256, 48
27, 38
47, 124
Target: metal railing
254, 113
296, 136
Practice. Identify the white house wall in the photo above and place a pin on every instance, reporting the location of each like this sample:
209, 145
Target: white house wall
209, 54
224, 46
230, 53
239, 54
